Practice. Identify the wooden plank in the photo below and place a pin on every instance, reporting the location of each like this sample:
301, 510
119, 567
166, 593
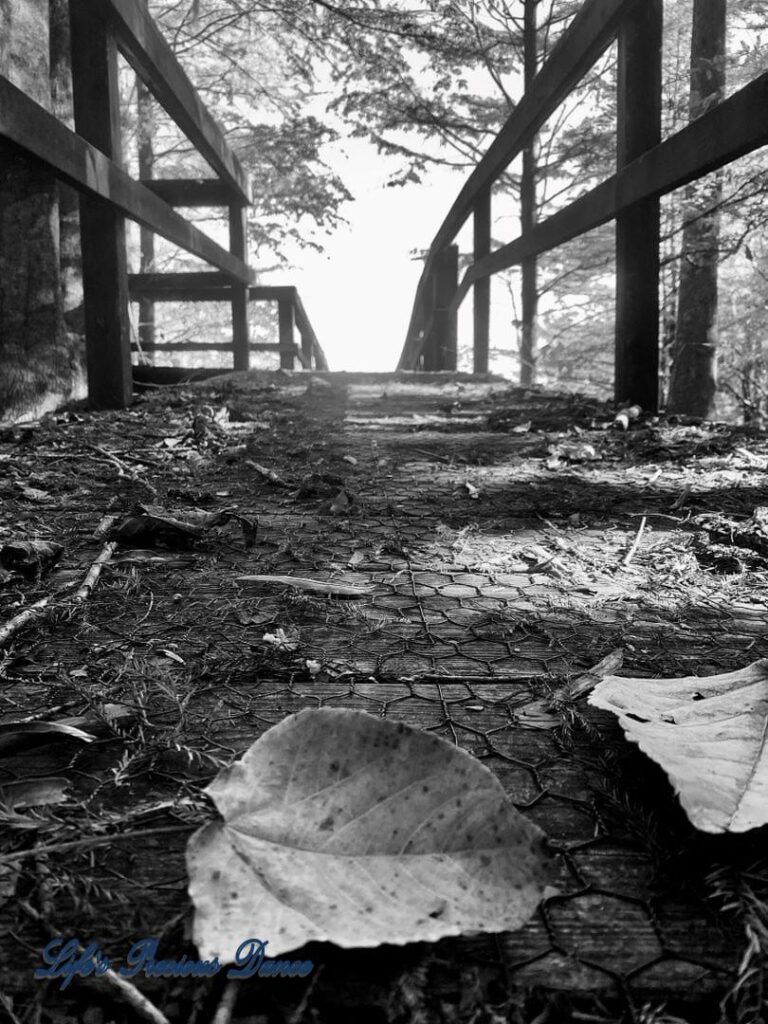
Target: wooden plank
191, 192
238, 246
96, 99
186, 286
482, 289
209, 346
285, 314
589, 34
735, 127
636, 378
153, 59
86, 167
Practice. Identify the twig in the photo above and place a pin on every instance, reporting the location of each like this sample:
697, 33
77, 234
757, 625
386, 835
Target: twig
91, 841
632, 551
38, 609
92, 577
227, 1002
589, 680
123, 469
268, 474
109, 981
316, 586
300, 1013
29, 615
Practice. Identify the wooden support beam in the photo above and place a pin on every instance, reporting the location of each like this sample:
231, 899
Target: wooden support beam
589, 34
88, 169
482, 289
238, 246
191, 192
286, 320
152, 58
638, 228
210, 346
102, 227
307, 332
444, 329
733, 128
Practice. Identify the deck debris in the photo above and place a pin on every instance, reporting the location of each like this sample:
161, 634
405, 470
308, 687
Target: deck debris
315, 586
328, 801
708, 733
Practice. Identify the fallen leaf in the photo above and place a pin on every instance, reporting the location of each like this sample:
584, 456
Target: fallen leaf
281, 640
29, 556
343, 827
34, 792
708, 733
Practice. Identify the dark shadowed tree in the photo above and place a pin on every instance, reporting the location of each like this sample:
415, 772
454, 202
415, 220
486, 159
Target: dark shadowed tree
693, 380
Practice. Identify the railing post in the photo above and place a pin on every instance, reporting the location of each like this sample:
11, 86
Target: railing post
306, 350
285, 317
102, 228
238, 246
637, 229
482, 288
444, 331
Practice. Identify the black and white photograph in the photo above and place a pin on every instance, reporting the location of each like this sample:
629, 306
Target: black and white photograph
383, 511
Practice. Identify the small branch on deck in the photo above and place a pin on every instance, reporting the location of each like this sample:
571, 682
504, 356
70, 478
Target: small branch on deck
124, 469
92, 576
39, 609
633, 550
226, 1006
110, 983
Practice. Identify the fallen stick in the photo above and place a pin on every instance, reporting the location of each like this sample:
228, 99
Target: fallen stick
123, 469
633, 550
315, 586
27, 617
109, 981
588, 681
92, 576
268, 474
38, 609
227, 1002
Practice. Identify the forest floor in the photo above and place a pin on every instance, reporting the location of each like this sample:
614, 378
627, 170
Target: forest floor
508, 540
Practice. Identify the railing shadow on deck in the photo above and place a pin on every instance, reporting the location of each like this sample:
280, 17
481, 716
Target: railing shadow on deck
647, 168
89, 159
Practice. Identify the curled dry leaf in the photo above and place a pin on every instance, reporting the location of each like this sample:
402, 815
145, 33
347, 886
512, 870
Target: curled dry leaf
708, 733
339, 826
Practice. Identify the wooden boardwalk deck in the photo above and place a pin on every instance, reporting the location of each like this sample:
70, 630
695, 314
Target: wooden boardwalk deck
492, 527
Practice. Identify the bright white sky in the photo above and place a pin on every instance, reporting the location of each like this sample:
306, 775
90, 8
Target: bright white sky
358, 293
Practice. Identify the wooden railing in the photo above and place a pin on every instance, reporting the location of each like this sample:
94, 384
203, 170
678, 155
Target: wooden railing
208, 286
647, 169
89, 159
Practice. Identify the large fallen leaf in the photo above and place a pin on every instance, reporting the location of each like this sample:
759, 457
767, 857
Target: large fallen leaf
339, 826
708, 733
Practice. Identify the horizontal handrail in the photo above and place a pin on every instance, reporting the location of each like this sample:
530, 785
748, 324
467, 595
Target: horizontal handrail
591, 31
209, 286
735, 127
153, 59
192, 192
29, 126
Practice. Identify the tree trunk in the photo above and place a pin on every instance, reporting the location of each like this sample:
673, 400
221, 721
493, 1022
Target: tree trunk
693, 381
147, 237
36, 369
530, 296
69, 202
